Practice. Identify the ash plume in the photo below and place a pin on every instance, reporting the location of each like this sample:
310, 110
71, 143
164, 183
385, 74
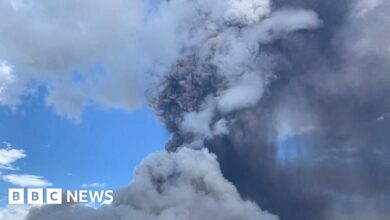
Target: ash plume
187, 184
309, 141
290, 98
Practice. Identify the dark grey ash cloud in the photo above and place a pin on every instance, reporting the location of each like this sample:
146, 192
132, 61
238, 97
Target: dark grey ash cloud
316, 145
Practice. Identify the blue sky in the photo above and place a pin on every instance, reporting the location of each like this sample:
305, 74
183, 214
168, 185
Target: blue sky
93, 73
104, 148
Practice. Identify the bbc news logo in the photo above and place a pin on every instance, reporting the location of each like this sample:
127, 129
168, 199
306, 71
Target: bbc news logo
51, 196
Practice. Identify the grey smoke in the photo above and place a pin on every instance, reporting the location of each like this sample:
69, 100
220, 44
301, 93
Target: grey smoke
232, 55
287, 94
187, 184
311, 147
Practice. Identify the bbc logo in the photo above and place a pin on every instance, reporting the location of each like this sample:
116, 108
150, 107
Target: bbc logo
34, 196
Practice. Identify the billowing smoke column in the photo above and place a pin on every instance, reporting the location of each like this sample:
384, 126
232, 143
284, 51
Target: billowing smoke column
228, 73
168, 186
292, 98
298, 114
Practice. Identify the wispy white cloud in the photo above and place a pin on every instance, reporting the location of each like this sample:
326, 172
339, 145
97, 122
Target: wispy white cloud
383, 116
93, 185
23, 180
8, 156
